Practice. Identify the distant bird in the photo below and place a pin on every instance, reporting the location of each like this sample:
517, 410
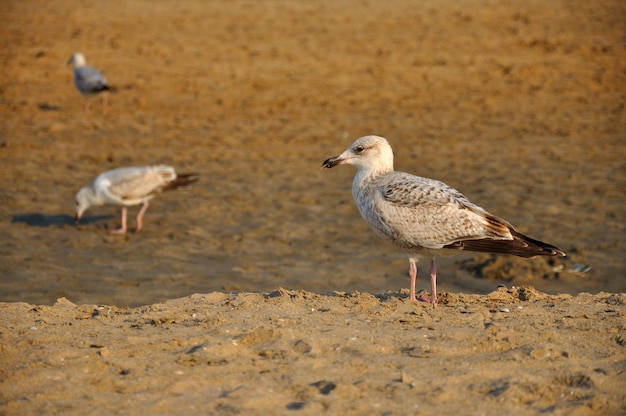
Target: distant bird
130, 186
89, 81
425, 217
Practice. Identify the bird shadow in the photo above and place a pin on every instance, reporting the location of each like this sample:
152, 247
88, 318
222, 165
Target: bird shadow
43, 220
44, 106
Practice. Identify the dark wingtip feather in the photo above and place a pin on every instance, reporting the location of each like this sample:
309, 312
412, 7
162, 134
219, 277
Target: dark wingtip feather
182, 180
521, 246
185, 179
548, 249
100, 88
188, 176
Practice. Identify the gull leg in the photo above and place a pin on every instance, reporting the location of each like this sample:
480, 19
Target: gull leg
433, 282
139, 222
105, 106
413, 275
122, 229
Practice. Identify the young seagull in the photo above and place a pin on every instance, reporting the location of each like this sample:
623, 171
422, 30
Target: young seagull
89, 81
128, 187
425, 217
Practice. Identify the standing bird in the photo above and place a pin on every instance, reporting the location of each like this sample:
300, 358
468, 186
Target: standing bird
89, 81
128, 187
425, 217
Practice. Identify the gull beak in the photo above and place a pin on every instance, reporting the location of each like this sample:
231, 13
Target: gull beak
77, 217
331, 162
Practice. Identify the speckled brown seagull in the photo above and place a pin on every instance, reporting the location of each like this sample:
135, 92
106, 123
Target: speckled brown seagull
425, 217
130, 186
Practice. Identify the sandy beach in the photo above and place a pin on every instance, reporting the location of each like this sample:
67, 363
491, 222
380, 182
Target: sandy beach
261, 290
513, 351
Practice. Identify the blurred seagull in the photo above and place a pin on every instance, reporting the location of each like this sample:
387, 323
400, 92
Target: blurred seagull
88, 80
425, 217
130, 186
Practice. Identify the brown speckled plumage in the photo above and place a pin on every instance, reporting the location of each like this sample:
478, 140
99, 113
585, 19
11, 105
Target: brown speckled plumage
130, 186
425, 216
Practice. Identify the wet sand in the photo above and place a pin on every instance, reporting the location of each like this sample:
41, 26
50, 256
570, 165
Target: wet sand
519, 105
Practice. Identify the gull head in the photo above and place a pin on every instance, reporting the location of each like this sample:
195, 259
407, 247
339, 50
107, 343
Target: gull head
77, 60
368, 153
82, 202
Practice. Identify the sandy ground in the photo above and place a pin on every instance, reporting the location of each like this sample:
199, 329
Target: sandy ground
520, 105
513, 351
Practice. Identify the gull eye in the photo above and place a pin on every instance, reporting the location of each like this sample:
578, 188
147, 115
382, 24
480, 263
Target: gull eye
359, 149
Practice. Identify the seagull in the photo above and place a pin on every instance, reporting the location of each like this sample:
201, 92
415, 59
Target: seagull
425, 217
130, 186
88, 80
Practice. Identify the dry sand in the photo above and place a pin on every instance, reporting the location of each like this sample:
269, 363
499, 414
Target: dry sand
520, 105
293, 352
